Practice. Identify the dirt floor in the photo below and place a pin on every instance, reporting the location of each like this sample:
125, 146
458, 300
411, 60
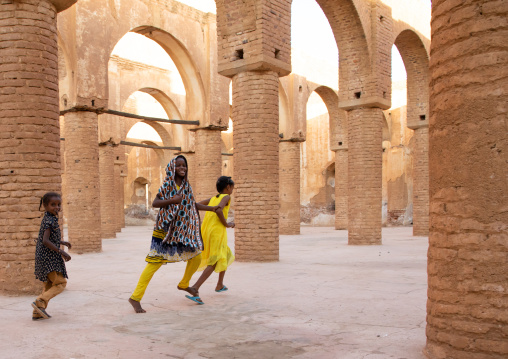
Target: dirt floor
323, 299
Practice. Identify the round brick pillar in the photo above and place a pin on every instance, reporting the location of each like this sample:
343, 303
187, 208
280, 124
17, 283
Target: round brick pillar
364, 175
256, 165
467, 306
341, 189
82, 181
120, 172
208, 163
29, 134
289, 187
107, 190
421, 182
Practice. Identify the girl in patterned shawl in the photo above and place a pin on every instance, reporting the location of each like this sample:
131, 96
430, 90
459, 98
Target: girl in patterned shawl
176, 236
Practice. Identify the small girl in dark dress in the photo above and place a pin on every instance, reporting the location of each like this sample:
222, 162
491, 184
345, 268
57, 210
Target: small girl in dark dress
49, 258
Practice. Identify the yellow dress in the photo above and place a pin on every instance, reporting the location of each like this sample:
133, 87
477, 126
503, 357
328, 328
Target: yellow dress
215, 239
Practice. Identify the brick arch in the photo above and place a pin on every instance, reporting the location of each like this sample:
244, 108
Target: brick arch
387, 136
337, 123
284, 118
160, 153
162, 131
345, 18
187, 68
416, 61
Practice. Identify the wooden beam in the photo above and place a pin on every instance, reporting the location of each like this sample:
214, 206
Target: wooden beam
154, 119
135, 144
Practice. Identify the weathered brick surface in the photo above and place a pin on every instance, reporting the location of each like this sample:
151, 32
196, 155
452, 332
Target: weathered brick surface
29, 134
256, 172
467, 296
421, 182
208, 163
260, 29
82, 181
289, 187
416, 62
120, 169
341, 189
364, 175
107, 190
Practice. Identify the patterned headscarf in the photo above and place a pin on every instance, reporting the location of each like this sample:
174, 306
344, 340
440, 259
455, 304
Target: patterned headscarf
180, 221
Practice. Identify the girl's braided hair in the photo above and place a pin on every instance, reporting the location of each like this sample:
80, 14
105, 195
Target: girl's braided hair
45, 199
222, 183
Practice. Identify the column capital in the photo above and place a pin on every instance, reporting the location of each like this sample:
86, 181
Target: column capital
109, 142
62, 5
373, 101
416, 126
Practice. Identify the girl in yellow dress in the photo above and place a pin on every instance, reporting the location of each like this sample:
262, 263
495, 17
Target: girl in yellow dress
216, 256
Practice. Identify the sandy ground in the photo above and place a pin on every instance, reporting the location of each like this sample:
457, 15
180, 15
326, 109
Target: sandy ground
323, 299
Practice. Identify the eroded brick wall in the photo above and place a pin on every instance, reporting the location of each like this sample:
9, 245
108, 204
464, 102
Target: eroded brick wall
107, 190
421, 182
208, 163
365, 175
29, 133
256, 158
82, 181
467, 307
289, 187
341, 189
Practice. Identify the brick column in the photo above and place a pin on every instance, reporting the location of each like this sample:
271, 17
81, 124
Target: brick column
82, 182
421, 182
364, 175
256, 158
289, 186
108, 195
119, 180
208, 162
341, 189
467, 302
29, 133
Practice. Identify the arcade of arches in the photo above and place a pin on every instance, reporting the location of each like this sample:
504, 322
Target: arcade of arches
439, 162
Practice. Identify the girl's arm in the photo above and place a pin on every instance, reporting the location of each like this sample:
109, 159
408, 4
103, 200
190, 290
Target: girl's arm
223, 203
158, 202
223, 220
51, 245
203, 206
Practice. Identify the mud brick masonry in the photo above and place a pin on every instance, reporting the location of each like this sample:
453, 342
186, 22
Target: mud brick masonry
456, 113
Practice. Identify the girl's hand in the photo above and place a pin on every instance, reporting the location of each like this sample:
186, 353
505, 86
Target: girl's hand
177, 198
217, 209
65, 255
231, 225
65, 243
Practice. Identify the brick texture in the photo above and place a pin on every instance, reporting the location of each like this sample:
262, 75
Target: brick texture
208, 163
120, 169
365, 175
289, 188
82, 181
256, 172
341, 189
260, 30
421, 182
107, 190
467, 306
29, 134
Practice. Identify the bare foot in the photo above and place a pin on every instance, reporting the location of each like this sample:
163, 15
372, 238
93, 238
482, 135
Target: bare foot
192, 291
137, 306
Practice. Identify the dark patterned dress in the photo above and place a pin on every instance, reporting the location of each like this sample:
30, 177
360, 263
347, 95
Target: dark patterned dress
47, 260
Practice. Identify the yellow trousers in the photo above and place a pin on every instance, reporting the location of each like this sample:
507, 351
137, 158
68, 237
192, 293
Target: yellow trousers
151, 268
